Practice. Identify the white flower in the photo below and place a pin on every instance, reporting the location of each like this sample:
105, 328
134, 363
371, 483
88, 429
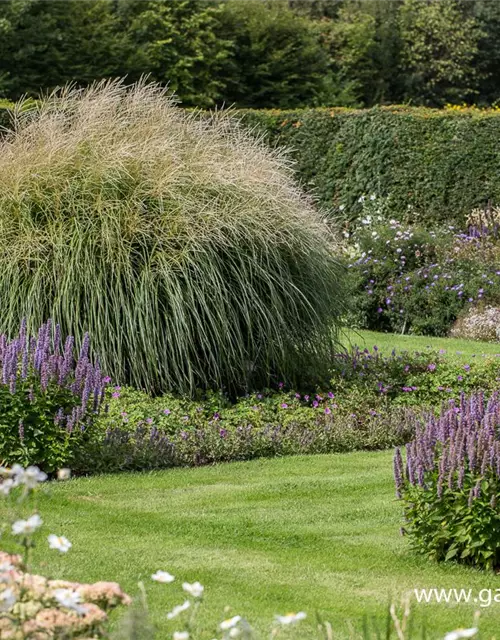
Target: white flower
291, 618
341, 207
373, 197
60, 543
361, 198
30, 477
6, 486
25, 527
461, 633
69, 599
229, 623
162, 576
195, 589
234, 632
64, 474
178, 609
181, 635
7, 600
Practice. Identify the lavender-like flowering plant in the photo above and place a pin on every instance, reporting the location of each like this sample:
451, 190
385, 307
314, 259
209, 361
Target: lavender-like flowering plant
48, 397
450, 484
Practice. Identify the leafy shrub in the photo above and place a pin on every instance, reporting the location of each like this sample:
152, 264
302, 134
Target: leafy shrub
47, 400
411, 280
451, 483
432, 165
182, 244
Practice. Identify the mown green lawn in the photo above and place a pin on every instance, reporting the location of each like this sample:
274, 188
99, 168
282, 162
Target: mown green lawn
453, 348
318, 533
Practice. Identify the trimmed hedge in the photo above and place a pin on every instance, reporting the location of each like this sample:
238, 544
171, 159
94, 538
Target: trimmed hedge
434, 165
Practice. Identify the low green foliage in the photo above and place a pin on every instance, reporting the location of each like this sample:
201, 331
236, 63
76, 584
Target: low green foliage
29, 434
374, 402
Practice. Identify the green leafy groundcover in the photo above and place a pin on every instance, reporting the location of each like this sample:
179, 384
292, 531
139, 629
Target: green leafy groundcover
374, 402
435, 164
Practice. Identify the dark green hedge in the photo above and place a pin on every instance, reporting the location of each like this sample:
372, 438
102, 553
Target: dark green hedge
5, 119
440, 163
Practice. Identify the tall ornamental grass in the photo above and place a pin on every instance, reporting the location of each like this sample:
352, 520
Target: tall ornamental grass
181, 243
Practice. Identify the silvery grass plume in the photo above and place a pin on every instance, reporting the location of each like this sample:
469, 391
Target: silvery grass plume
180, 242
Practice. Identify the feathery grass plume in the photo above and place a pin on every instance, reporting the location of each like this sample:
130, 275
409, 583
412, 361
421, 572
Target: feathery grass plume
180, 242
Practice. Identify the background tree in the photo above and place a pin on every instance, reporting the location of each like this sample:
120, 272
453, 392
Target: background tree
487, 14
46, 44
439, 49
276, 56
175, 41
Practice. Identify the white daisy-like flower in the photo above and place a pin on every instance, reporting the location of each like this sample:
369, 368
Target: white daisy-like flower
178, 609
7, 600
230, 623
196, 589
373, 197
26, 527
6, 486
461, 633
180, 635
70, 599
162, 576
291, 618
31, 477
60, 543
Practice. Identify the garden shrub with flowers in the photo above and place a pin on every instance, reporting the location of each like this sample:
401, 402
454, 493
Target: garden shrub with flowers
411, 279
449, 483
48, 398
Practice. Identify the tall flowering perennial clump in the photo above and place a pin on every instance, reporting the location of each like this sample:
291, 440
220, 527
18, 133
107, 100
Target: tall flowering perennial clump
450, 484
48, 397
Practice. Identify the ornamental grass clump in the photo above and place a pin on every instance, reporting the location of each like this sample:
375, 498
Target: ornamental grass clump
48, 397
450, 484
180, 242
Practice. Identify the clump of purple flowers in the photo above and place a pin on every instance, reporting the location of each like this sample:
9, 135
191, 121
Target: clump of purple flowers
43, 387
450, 482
